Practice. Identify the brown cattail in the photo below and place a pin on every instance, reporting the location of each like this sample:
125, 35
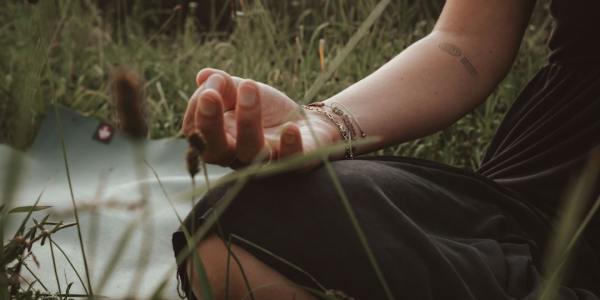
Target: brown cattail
192, 161
192, 157
127, 93
197, 142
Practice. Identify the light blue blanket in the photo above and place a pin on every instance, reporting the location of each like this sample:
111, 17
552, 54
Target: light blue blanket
110, 173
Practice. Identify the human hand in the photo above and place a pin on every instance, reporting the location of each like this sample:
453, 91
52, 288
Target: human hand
240, 120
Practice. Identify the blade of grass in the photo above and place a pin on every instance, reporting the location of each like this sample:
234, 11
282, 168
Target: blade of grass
148, 229
231, 254
276, 167
550, 291
197, 263
67, 296
239, 179
12, 181
309, 95
70, 264
281, 259
36, 278
362, 31
29, 283
24, 221
361, 235
570, 228
205, 173
27, 209
227, 269
267, 24
72, 194
116, 256
164, 191
199, 267
54, 265
92, 232
210, 220
243, 176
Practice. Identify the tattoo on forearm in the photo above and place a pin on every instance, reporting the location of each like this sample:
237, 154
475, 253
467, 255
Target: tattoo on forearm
455, 51
450, 49
469, 66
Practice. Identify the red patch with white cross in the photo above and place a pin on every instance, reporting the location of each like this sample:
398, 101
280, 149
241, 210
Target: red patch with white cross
104, 133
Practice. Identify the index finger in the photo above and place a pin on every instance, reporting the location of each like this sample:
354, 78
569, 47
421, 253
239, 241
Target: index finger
228, 90
217, 80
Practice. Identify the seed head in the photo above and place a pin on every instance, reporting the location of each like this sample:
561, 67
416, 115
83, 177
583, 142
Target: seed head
128, 96
192, 161
196, 142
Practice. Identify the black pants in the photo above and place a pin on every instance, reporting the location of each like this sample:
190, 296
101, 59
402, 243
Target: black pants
437, 232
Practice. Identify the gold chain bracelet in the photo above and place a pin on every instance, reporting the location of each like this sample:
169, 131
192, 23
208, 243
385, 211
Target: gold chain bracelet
345, 127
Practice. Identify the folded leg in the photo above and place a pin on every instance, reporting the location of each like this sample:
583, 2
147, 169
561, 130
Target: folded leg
436, 232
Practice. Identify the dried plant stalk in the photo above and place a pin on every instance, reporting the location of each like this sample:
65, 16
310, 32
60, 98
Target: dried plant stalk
197, 142
192, 157
192, 161
128, 97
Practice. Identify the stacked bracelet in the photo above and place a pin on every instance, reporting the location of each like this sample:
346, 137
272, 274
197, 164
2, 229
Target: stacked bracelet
341, 110
345, 126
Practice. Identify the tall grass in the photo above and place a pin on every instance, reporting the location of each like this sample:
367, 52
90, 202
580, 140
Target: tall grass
275, 42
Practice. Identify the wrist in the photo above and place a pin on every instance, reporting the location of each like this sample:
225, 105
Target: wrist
339, 120
328, 133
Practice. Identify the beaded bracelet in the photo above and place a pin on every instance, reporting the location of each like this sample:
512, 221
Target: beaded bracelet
345, 112
346, 127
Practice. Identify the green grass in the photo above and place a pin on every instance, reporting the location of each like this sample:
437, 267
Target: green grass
75, 50
277, 45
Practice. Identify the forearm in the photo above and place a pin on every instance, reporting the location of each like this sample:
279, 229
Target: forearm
427, 87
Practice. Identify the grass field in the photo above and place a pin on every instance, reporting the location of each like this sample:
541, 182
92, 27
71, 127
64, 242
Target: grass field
64, 52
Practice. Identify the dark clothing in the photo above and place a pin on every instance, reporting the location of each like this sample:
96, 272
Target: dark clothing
575, 36
554, 125
548, 134
439, 232
555, 122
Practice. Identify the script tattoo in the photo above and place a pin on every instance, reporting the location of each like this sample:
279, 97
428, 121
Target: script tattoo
450, 49
455, 51
469, 66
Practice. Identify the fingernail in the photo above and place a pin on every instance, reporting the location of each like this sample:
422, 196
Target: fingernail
289, 138
207, 107
196, 94
248, 99
213, 82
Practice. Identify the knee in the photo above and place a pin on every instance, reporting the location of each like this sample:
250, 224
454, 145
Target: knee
209, 251
233, 273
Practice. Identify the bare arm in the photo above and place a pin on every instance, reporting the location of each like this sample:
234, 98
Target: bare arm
443, 76
424, 89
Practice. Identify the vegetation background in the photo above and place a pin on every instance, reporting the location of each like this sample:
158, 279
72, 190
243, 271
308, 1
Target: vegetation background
64, 51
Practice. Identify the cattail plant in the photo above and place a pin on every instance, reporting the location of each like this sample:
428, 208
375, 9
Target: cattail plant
322, 54
196, 147
128, 97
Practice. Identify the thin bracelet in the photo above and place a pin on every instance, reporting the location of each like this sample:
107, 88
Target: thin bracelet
348, 112
342, 128
347, 117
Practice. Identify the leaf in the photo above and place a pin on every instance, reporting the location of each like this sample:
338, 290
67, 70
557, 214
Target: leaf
28, 208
